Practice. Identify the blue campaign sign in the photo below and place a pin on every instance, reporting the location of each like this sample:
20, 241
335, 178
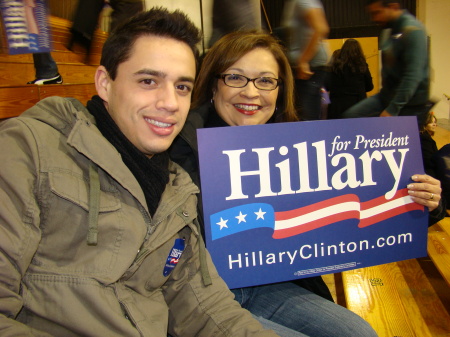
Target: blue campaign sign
26, 26
293, 200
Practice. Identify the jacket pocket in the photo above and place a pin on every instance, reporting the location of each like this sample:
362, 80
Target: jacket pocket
76, 189
65, 224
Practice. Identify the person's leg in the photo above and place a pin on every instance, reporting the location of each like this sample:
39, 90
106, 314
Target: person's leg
316, 285
85, 21
369, 107
123, 10
300, 310
45, 65
280, 330
309, 96
46, 69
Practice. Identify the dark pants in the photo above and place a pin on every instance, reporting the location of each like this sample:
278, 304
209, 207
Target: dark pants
309, 96
123, 10
86, 19
45, 65
374, 105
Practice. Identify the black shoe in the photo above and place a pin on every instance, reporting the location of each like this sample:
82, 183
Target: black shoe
53, 80
79, 39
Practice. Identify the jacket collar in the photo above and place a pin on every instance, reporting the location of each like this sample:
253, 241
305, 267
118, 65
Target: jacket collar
84, 133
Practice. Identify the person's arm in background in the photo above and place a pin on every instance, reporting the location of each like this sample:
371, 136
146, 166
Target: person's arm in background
315, 17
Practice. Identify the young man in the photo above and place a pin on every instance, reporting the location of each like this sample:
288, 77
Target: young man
98, 233
405, 65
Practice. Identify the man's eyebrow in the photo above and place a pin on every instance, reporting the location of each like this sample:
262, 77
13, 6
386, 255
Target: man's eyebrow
162, 74
151, 72
187, 79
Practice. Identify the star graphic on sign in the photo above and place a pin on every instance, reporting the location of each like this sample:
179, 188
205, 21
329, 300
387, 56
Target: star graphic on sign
241, 217
222, 223
260, 214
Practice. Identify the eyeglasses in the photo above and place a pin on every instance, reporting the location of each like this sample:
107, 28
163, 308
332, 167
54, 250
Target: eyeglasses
240, 81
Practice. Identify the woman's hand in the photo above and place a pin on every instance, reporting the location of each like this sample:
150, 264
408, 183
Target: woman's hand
425, 190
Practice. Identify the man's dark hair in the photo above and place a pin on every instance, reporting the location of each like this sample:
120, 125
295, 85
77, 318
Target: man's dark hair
385, 3
157, 21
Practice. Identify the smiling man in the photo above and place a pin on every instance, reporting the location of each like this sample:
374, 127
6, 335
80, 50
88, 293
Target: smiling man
98, 230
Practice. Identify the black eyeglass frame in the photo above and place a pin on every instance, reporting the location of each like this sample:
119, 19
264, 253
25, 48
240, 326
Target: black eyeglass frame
222, 77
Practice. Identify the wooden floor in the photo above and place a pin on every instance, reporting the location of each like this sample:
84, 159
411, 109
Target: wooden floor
423, 310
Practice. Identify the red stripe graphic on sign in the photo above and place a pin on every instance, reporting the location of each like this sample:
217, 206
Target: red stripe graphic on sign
324, 213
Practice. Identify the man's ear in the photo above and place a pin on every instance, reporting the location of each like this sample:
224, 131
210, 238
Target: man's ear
102, 81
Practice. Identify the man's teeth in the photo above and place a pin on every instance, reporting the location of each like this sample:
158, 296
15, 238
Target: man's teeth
158, 124
247, 107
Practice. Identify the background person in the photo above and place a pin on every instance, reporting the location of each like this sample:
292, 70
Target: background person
348, 79
428, 144
230, 16
435, 162
308, 53
87, 15
405, 65
442, 162
46, 69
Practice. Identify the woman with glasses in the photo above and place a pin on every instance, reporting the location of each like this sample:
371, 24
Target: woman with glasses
246, 79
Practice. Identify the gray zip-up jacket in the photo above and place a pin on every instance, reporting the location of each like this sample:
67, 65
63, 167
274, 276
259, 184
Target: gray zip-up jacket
79, 253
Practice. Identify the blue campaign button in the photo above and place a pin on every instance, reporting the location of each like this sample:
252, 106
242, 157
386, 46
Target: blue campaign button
174, 256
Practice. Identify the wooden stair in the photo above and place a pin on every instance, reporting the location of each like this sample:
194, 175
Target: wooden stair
76, 68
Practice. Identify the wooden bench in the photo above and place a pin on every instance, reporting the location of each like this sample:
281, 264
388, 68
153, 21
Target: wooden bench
439, 247
397, 299
406, 298
15, 100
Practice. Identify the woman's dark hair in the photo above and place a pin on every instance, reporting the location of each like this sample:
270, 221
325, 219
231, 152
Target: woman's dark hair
157, 21
228, 50
351, 56
430, 118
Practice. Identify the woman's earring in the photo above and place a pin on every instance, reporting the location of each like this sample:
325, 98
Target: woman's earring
212, 101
